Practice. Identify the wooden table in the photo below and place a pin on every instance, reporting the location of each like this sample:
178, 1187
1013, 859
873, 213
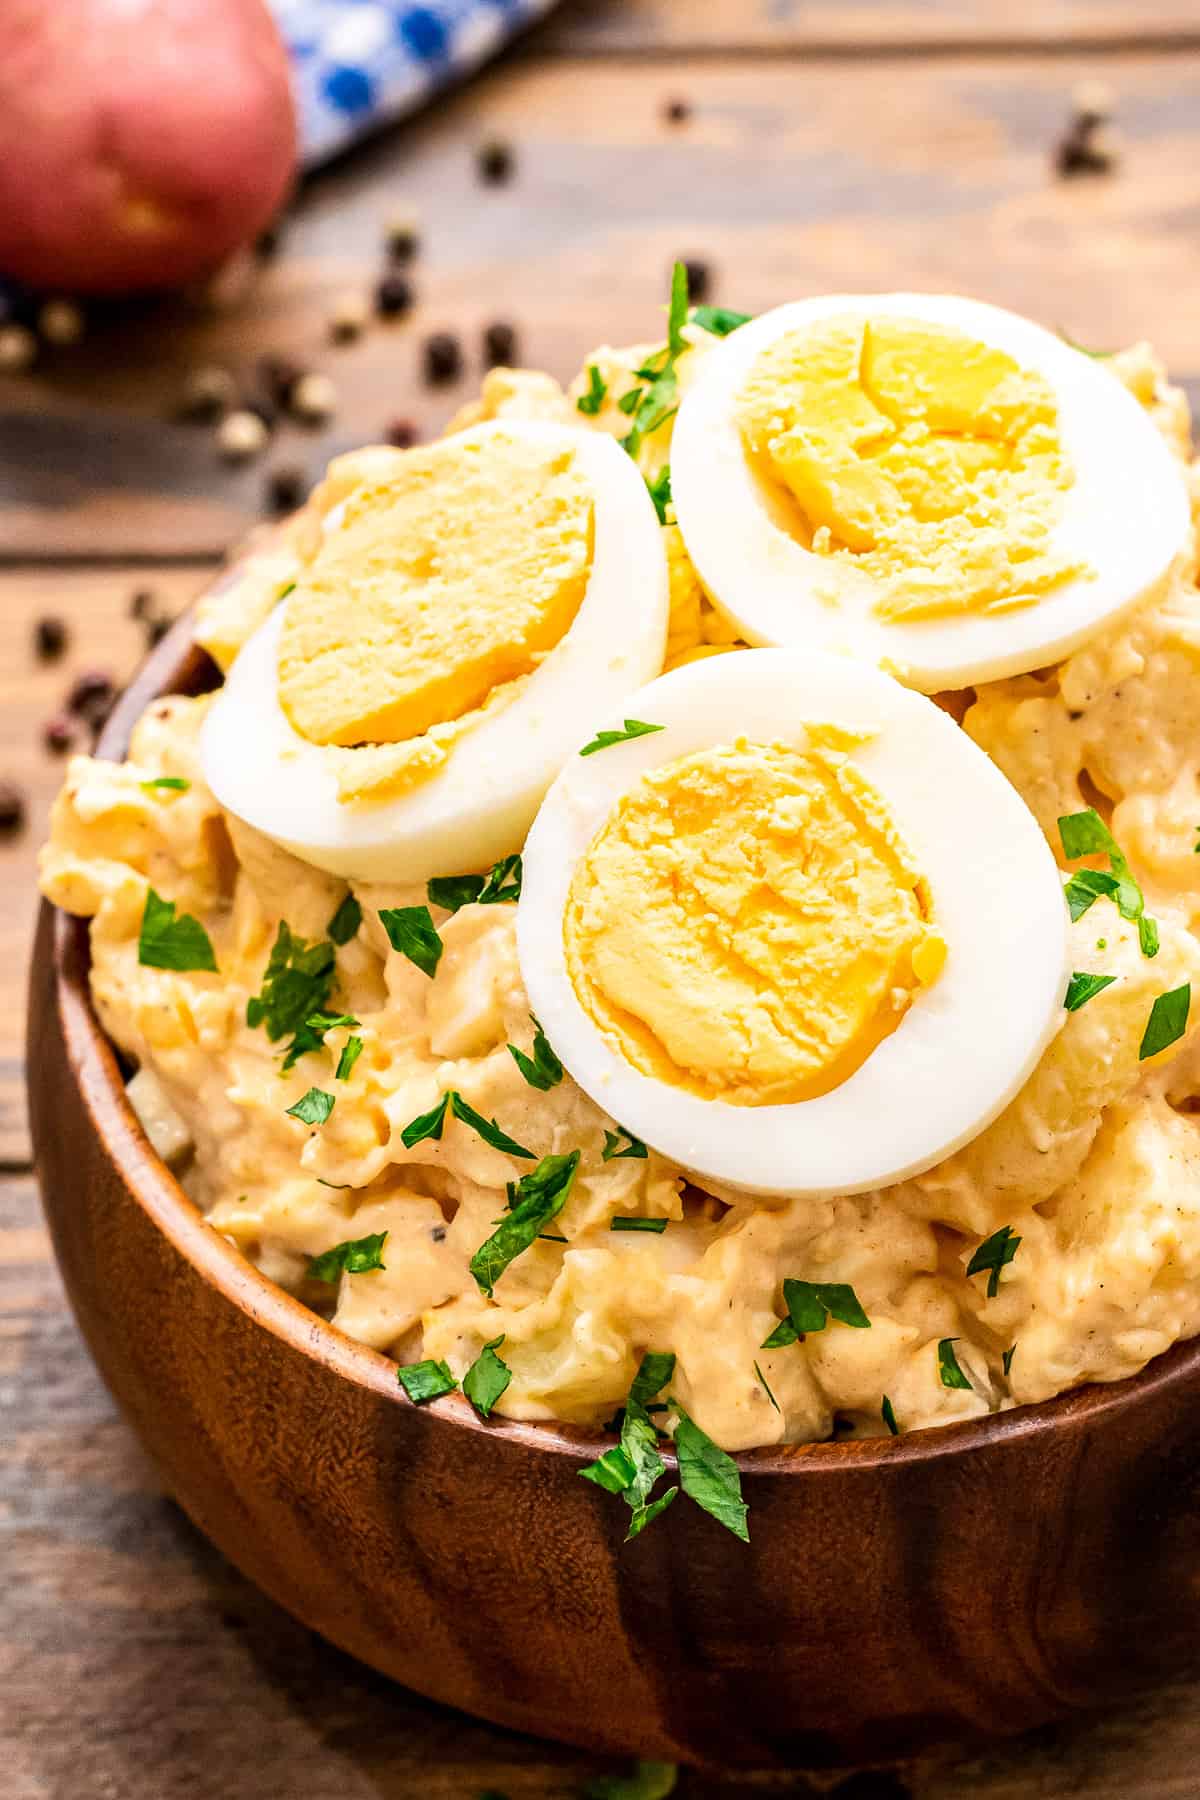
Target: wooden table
830, 145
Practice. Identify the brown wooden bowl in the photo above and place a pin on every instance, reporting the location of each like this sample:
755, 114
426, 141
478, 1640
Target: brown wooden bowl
973, 1579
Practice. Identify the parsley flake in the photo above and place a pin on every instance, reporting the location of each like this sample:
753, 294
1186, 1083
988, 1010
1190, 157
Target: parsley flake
1007, 1357
1167, 1022
345, 921
487, 1129
709, 1476
537, 1198
1084, 987
486, 1379
351, 1051
766, 1388
501, 883
624, 1223
285, 590
659, 491
993, 1255
591, 402
811, 1305
172, 784
654, 1371
357, 1256
633, 728
1096, 355
429, 1124
167, 942
295, 987
614, 1151
542, 1070
412, 932
652, 405
952, 1376
1086, 834
314, 1107
887, 1413
719, 320
426, 1381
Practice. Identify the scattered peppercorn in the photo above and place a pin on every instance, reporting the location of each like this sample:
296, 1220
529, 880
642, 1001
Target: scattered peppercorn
400, 238
699, 280
286, 489
208, 392
12, 808
401, 434
241, 435
278, 376
348, 319
143, 603
92, 697
50, 637
313, 399
18, 347
677, 110
58, 734
268, 242
60, 322
443, 358
1088, 146
500, 344
393, 296
495, 162
157, 629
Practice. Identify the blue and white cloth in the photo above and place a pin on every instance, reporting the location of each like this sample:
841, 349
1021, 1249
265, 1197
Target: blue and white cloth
359, 64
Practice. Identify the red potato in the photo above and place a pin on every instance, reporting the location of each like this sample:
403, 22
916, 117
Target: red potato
141, 141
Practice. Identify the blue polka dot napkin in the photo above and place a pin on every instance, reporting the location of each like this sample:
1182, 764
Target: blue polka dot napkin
362, 63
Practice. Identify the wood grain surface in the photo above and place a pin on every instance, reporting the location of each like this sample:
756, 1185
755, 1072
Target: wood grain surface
831, 143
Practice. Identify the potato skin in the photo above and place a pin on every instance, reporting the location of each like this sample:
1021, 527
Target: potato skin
141, 141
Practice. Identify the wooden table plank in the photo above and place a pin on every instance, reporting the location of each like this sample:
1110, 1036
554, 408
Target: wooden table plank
791, 177
103, 636
858, 26
132, 1652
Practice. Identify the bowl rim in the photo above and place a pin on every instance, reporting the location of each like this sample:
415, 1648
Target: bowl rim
179, 665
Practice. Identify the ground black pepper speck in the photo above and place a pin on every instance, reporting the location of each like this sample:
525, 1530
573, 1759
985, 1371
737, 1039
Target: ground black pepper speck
500, 344
50, 637
699, 280
442, 357
495, 162
12, 808
58, 734
402, 434
394, 296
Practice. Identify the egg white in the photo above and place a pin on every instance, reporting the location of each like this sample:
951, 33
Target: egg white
479, 805
1125, 516
966, 1044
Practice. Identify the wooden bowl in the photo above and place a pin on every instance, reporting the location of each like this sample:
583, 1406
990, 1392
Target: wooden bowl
978, 1578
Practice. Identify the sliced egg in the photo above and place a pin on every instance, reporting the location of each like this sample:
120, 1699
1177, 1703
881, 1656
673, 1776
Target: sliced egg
401, 714
932, 484
804, 938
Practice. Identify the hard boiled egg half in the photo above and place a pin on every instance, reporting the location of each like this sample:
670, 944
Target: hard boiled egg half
404, 709
803, 937
935, 485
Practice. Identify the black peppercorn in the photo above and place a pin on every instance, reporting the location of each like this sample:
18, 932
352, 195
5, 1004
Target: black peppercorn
58, 734
401, 241
443, 358
394, 296
500, 344
401, 434
157, 629
677, 111
143, 603
495, 162
12, 808
92, 697
50, 637
699, 280
286, 489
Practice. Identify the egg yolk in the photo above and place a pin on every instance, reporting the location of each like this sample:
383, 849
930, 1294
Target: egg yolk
748, 924
445, 579
916, 456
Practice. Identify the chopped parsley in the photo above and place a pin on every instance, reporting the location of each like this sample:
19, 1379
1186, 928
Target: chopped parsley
295, 987
1086, 834
654, 1371
167, 942
357, 1256
487, 1129
426, 1381
709, 1476
615, 1151
1096, 355
887, 1413
766, 1387
486, 1379
1006, 1359
345, 921
623, 1223
811, 1305
1196, 845
314, 1107
654, 403
171, 784
536, 1199
501, 883
659, 491
412, 932
285, 590
542, 1070
993, 1255
1084, 987
591, 402
429, 1124
352, 1049
719, 320
1167, 1022
633, 728
633, 1467
952, 1376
